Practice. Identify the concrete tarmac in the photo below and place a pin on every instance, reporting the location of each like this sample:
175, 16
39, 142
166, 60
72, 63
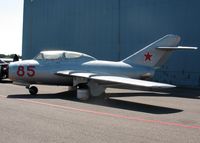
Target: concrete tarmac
56, 116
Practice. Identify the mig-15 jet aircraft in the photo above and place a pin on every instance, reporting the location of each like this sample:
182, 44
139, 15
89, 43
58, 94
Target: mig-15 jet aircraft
93, 76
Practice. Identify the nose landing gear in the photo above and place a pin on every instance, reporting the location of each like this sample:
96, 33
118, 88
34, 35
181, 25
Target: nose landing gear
32, 90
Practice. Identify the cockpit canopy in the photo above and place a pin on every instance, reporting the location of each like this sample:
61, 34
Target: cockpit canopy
56, 55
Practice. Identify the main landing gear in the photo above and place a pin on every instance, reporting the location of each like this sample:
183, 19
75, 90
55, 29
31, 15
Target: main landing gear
83, 92
32, 90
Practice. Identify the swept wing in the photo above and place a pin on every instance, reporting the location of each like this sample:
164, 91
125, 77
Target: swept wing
115, 79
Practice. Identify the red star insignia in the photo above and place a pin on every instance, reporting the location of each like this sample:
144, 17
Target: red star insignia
148, 56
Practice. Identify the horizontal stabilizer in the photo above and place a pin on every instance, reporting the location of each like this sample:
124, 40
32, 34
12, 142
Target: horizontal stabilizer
177, 48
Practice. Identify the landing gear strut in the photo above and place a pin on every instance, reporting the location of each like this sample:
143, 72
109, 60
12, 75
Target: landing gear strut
32, 90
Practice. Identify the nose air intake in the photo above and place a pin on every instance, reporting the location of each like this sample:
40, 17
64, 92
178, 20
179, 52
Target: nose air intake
11, 73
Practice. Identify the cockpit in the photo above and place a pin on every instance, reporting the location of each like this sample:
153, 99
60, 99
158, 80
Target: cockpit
56, 55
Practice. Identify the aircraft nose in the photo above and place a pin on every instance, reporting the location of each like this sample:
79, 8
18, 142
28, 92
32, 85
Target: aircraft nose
11, 71
22, 70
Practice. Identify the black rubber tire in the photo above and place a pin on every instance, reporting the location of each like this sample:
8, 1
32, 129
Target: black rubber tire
33, 90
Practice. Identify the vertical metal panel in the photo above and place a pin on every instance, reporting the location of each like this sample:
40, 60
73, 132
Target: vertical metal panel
89, 26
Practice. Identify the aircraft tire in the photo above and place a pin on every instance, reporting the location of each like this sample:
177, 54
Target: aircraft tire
33, 90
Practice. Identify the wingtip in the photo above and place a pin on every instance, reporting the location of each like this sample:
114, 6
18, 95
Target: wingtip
166, 86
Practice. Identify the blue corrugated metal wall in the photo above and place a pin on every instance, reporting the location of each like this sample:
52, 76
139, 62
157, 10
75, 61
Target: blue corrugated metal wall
114, 29
89, 26
144, 21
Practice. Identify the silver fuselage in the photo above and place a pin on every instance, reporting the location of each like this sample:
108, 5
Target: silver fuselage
45, 70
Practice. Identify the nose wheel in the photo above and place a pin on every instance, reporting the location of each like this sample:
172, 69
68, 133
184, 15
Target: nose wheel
33, 90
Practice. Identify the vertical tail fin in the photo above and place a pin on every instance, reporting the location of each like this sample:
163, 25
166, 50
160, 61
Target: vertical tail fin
151, 55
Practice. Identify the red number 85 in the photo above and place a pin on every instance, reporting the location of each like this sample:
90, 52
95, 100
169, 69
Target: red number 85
30, 71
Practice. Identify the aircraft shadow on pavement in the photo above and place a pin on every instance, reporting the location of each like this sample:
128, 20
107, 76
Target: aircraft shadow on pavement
102, 101
178, 92
172, 94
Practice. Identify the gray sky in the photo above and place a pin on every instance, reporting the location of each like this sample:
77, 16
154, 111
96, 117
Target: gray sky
11, 17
